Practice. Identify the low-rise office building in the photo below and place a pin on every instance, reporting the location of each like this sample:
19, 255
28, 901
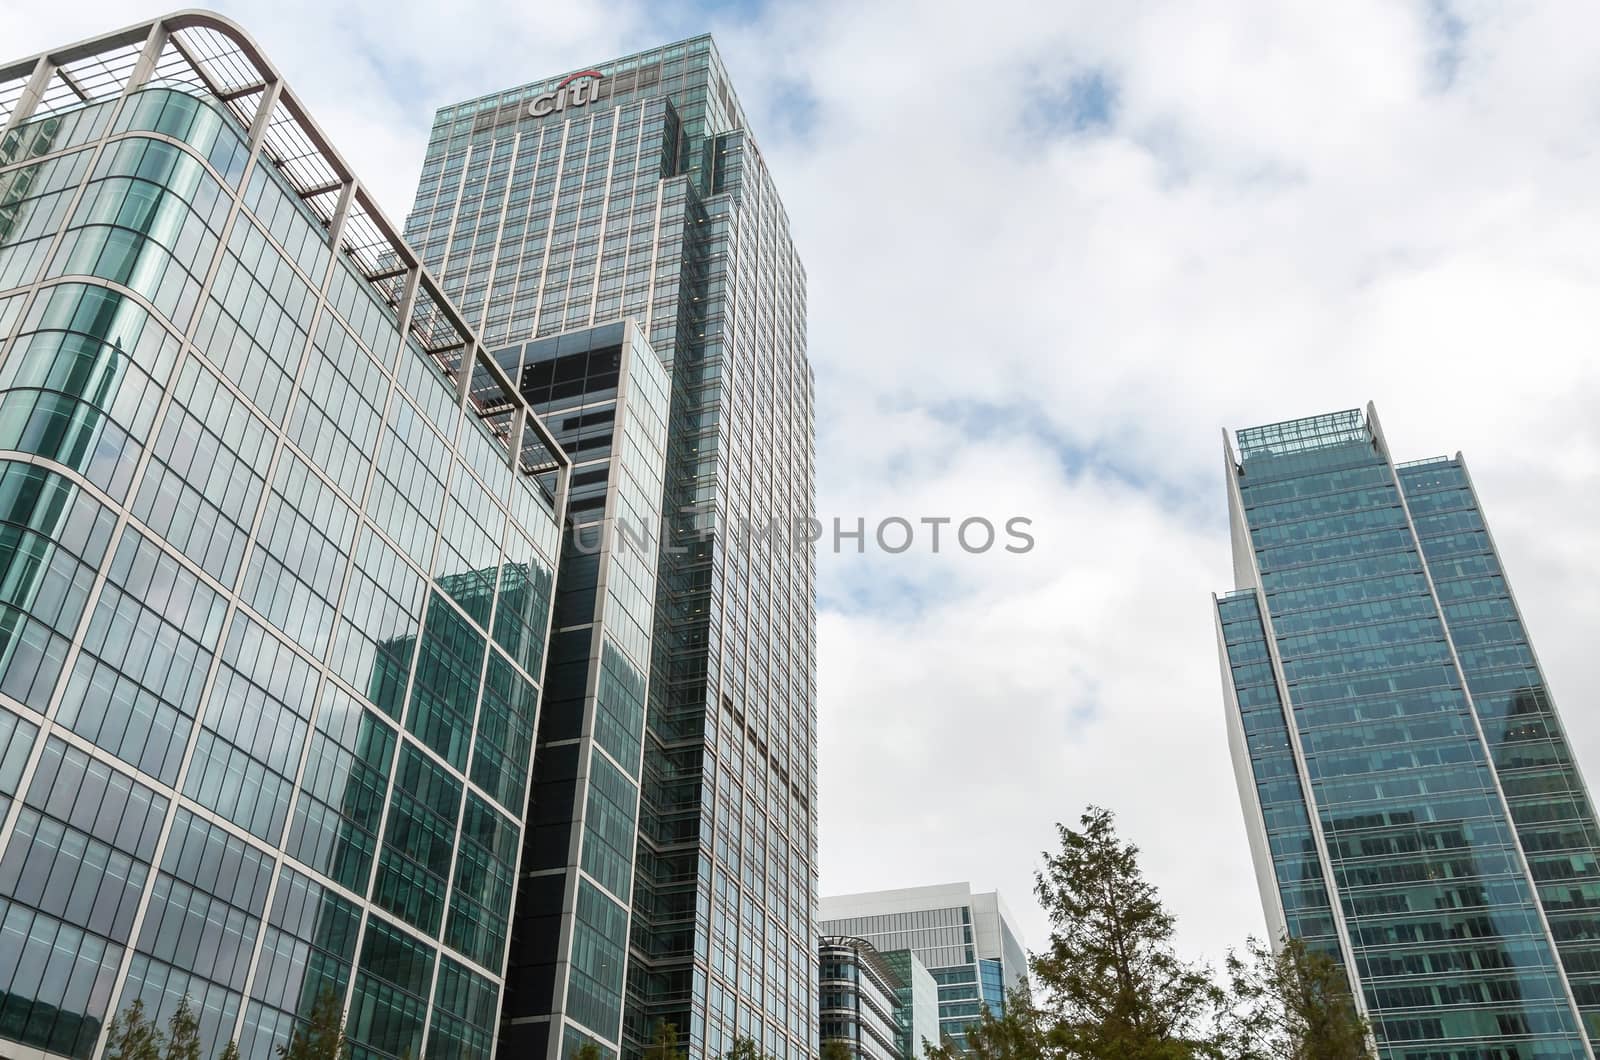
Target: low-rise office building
965, 940
882, 1006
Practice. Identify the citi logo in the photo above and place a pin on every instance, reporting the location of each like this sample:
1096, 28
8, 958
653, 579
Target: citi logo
575, 91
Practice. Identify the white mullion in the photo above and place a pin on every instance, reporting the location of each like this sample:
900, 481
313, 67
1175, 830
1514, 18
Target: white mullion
527, 216
605, 214
455, 211
655, 259
550, 226
500, 228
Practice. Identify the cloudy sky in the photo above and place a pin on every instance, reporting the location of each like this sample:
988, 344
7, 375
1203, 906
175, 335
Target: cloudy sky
1053, 248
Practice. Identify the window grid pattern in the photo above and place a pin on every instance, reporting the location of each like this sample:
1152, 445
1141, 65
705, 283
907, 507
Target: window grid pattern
652, 203
1442, 925
1549, 803
941, 942
859, 1001
1297, 865
233, 657
604, 389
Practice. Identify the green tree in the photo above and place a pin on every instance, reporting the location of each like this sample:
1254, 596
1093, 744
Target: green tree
1292, 1003
744, 1049
664, 1046
1112, 986
183, 1033
837, 1049
229, 1052
322, 1036
131, 1036
588, 1051
1013, 1034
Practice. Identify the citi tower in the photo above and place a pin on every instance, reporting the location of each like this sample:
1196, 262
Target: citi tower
616, 238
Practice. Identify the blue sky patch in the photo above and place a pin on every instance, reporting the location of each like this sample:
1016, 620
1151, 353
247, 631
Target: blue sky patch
1086, 103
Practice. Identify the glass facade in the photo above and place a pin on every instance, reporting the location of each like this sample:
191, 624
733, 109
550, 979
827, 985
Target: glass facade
623, 211
964, 940
919, 1003
605, 392
861, 1000
1411, 800
277, 554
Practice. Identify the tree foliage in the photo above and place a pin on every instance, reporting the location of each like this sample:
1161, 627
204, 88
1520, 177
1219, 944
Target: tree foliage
134, 1036
745, 1049
1112, 986
837, 1049
183, 1033
322, 1036
588, 1051
664, 1045
1016, 1033
1293, 1003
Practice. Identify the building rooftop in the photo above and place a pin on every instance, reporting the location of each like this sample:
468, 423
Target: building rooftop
210, 54
1301, 435
614, 67
868, 955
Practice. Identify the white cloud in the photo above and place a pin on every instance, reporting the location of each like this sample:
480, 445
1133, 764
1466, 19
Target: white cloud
1293, 210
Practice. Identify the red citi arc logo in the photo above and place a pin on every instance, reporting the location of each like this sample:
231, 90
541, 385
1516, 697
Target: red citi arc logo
574, 91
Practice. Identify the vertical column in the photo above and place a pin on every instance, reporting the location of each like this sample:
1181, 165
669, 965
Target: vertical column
149, 58
32, 93
347, 194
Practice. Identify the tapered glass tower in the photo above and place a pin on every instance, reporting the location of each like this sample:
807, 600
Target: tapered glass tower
615, 234
1412, 802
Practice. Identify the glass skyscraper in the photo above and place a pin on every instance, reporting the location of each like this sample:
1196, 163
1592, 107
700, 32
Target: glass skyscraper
1412, 802
615, 235
277, 552
965, 940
